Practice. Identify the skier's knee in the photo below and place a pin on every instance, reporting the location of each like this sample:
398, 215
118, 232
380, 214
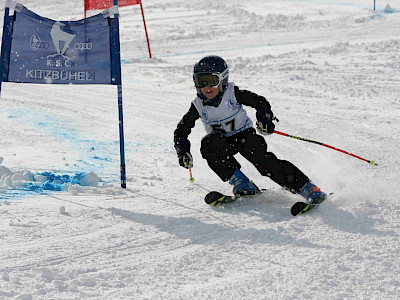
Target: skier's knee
270, 164
268, 161
270, 155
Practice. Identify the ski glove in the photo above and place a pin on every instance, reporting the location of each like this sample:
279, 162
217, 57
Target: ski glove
265, 128
264, 123
186, 160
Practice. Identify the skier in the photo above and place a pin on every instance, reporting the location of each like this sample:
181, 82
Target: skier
219, 104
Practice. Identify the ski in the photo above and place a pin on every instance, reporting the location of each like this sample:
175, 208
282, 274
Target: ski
300, 208
215, 198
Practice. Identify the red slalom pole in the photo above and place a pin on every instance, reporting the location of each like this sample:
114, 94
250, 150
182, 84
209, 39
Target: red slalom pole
145, 29
371, 162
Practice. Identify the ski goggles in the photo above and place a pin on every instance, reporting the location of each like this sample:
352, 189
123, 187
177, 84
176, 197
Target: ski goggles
210, 79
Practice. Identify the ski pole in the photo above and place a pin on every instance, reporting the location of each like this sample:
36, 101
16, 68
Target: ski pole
371, 162
191, 180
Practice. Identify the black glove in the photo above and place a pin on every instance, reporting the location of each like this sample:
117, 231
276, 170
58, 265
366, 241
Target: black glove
265, 128
264, 123
182, 147
185, 160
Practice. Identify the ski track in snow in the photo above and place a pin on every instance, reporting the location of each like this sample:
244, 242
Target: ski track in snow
330, 72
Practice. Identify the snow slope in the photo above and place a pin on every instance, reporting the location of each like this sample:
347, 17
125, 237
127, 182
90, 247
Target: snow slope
330, 72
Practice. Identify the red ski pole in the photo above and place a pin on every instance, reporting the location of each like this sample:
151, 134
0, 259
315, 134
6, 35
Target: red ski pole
191, 180
371, 162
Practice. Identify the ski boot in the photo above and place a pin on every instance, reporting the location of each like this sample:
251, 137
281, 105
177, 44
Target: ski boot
242, 186
312, 193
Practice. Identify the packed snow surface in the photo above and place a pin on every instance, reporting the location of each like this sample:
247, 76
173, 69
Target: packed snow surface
330, 70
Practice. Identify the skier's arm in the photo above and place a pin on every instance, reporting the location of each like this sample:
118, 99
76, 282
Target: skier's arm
264, 113
253, 100
184, 128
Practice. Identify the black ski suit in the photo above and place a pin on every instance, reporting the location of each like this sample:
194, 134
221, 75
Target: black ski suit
219, 150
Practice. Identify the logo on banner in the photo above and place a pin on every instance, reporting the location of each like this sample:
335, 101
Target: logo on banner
36, 42
61, 40
83, 46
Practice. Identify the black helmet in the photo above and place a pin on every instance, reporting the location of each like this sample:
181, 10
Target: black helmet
211, 70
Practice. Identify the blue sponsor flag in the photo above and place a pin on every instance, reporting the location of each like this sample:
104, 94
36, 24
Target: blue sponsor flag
35, 49
51, 52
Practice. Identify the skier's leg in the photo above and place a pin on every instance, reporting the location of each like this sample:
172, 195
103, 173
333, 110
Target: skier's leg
219, 154
254, 148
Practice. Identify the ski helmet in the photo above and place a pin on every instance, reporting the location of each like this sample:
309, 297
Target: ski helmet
210, 70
